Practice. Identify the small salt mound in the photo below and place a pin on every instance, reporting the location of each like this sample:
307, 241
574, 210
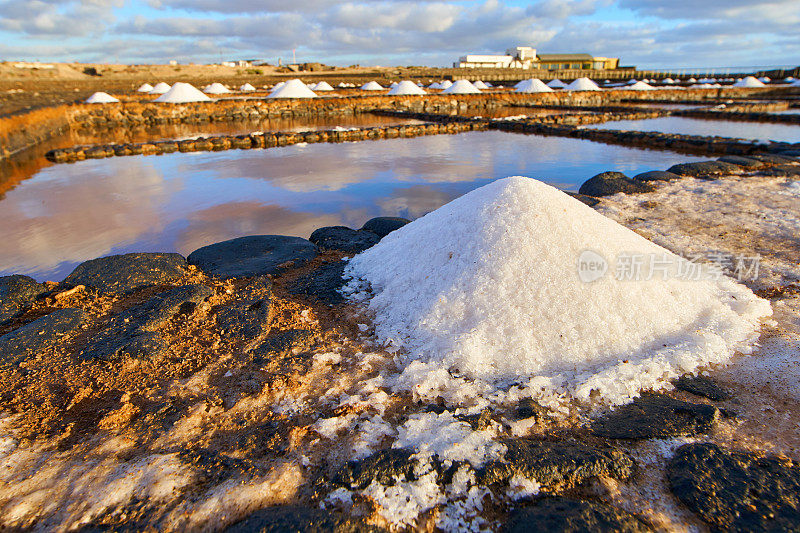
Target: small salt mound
462, 87
533, 85
292, 89
488, 286
145, 88
279, 85
247, 88
393, 85
691, 80
556, 84
446, 84
405, 88
160, 88
765, 79
216, 88
790, 79
631, 81
181, 93
640, 86
480, 85
749, 81
435, 85
702, 86
101, 98
322, 86
582, 84
668, 81
372, 86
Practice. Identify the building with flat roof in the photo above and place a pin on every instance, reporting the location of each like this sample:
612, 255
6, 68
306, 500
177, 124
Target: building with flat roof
525, 57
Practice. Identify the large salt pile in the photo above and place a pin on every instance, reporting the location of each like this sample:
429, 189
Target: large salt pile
748, 81
101, 98
556, 84
372, 86
322, 86
247, 88
406, 87
145, 88
160, 88
639, 86
216, 88
292, 89
489, 287
181, 93
462, 87
533, 85
582, 84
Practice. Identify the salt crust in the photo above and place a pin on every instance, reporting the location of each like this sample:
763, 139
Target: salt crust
486, 288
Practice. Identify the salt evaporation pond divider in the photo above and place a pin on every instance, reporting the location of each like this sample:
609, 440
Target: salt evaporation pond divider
696, 126
65, 214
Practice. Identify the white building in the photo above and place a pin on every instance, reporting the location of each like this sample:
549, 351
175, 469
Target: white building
525, 57
518, 57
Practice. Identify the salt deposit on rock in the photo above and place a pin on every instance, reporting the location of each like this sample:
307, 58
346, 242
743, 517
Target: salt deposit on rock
556, 84
462, 87
748, 81
101, 98
160, 88
489, 287
640, 86
322, 86
247, 88
216, 88
292, 89
533, 85
480, 85
582, 84
372, 86
145, 88
406, 87
182, 93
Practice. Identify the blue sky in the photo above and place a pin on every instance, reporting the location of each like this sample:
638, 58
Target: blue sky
646, 33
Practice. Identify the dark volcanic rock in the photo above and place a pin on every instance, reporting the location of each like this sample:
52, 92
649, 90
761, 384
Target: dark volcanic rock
607, 183
591, 201
40, 334
557, 463
742, 161
17, 293
123, 273
773, 159
343, 239
298, 519
136, 332
249, 316
529, 408
383, 226
736, 491
256, 255
656, 416
656, 175
322, 284
703, 169
702, 386
285, 351
783, 170
561, 515
382, 466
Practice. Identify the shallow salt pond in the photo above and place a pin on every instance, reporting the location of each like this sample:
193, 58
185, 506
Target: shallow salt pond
696, 126
63, 214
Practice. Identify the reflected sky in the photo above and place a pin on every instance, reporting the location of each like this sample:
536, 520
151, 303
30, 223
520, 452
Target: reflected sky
761, 131
65, 214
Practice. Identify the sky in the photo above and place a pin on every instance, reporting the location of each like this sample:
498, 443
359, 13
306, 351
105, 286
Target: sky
655, 34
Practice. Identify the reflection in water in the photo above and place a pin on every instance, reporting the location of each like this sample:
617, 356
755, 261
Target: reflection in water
178, 202
513, 111
724, 128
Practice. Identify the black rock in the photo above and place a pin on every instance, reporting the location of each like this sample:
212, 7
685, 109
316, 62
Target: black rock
702, 386
742, 161
383, 226
591, 201
41, 334
656, 175
382, 466
564, 515
654, 416
17, 293
298, 519
529, 408
782, 170
704, 169
608, 183
773, 159
136, 331
249, 316
124, 273
256, 255
557, 463
322, 284
343, 239
733, 491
